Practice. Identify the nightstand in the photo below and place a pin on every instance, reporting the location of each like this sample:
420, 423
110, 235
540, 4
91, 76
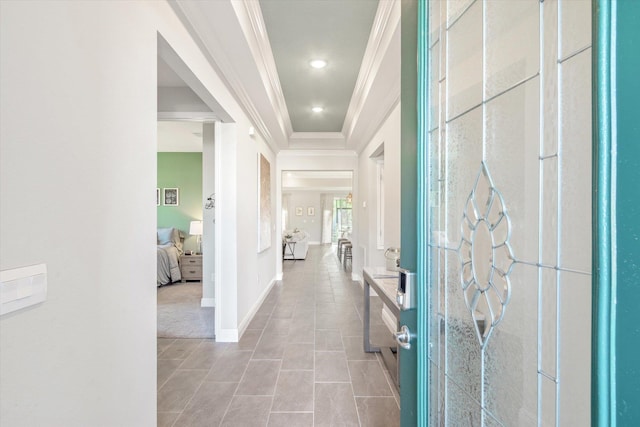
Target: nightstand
191, 267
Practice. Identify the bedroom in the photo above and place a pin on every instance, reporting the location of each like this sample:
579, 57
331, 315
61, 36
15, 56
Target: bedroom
182, 310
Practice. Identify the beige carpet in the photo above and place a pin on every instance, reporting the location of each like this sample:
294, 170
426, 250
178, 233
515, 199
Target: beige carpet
180, 314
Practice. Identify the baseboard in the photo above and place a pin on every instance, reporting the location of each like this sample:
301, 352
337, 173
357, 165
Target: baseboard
314, 242
356, 278
279, 276
208, 302
389, 320
227, 335
249, 317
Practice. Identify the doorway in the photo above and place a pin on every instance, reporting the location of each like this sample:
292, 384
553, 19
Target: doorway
186, 166
318, 203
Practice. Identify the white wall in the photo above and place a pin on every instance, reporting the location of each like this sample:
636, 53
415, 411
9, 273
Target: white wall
389, 136
310, 224
87, 355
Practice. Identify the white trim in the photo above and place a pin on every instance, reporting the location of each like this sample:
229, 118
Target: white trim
187, 116
227, 335
217, 226
315, 242
249, 317
386, 21
253, 26
357, 278
319, 153
188, 12
208, 302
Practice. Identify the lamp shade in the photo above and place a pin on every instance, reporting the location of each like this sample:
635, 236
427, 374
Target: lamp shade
195, 228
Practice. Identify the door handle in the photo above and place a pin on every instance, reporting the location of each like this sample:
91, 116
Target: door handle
403, 337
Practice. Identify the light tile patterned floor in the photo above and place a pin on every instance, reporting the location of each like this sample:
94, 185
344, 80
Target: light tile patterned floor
300, 362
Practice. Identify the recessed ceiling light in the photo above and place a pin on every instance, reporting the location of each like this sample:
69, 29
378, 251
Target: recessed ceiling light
317, 109
318, 63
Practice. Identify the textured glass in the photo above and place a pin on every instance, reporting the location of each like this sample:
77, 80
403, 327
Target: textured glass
575, 160
575, 23
510, 368
464, 64
464, 154
434, 26
512, 44
512, 155
490, 421
575, 347
435, 191
461, 409
548, 402
548, 320
434, 87
464, 362
514, 198
434, 304
463, 350
549, 212
455, 8
550, 78
434, 395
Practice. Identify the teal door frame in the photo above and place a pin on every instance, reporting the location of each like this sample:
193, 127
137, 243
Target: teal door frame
616, 212
414, 363
409, 380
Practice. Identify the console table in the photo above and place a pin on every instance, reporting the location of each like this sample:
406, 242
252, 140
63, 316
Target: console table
385, 284
291, 245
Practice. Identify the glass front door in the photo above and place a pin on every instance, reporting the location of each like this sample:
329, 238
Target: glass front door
508, 138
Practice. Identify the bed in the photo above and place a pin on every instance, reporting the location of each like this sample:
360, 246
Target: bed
169, 251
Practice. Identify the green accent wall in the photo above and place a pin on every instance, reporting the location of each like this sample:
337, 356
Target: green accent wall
183, 171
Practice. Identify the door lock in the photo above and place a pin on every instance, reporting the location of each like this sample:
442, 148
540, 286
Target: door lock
403, 337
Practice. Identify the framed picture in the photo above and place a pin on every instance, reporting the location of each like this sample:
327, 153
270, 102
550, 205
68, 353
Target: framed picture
264, 203
299, 211
311, 211
171, 196
157, 197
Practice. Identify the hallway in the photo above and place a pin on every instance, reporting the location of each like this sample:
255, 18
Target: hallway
300, 362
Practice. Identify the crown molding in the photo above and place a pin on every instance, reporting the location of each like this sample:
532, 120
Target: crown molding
364, 136
317, 140
384, 25
317, 153
253, 26
215, 54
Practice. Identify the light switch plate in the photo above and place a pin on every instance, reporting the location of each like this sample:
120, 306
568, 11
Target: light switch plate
22, 287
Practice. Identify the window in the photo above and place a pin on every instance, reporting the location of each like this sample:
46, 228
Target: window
342, 218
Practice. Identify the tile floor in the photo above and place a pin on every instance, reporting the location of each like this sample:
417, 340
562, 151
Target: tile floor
300, 362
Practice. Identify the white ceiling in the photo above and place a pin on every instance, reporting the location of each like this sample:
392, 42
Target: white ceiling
179, 136
167, 77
